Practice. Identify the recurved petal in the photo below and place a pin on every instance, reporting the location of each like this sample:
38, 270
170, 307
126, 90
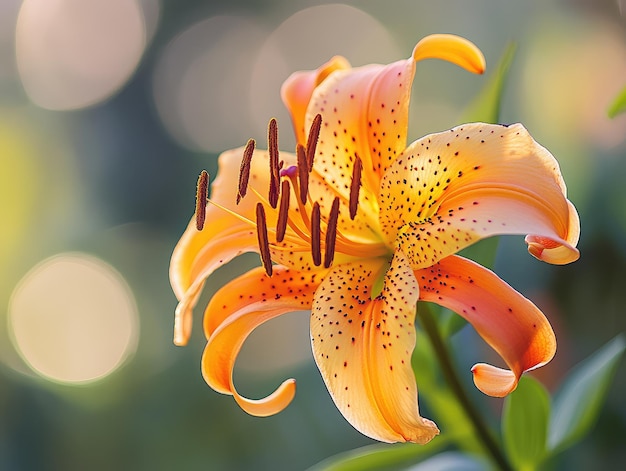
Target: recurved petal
228, 232
452, 188
297, 90
511, 324
365, 111
363, 348
453, 49
235, 311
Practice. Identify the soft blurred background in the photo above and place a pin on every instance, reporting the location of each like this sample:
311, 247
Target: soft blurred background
108, 111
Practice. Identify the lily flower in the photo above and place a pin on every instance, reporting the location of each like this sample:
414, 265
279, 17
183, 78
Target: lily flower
357, 226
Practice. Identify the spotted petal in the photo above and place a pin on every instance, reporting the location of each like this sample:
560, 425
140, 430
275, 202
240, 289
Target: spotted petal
450, 189
225, 236
363, 348
235, 311
365, 111
512, 325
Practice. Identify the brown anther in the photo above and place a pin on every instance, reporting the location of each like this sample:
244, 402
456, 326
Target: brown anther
355, 186
303, 172
331, 233
202, 194
244, 170
264, 245
283, 212
272, 145
316, 250
311, 142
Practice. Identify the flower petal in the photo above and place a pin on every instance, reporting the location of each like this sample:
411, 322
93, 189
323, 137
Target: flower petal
512, 325
365, 112
363, 348
452, 188
235, 311
453, 49
297, 90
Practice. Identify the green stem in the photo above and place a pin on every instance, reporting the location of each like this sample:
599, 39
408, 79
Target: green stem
430, 327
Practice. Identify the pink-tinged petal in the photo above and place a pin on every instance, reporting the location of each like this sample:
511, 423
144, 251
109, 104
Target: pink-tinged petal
297, 90
511, 324
362, 347
550, 251
450, 189
235, 311
365, 112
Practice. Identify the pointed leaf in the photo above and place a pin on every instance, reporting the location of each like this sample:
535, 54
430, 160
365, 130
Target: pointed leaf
525, 423
578, 401
486, 106
450, 461
381, 456
619, 104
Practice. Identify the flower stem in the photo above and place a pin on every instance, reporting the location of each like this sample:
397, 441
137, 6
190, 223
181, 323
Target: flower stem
432, 331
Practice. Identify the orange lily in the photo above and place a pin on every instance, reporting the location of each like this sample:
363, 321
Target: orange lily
357, 227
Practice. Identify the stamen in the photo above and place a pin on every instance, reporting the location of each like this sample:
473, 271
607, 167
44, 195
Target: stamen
264, 245
331, 233
355, 186
316, 250
272, 146
202, 194
283, 212
303, 173
244, 170
311, 143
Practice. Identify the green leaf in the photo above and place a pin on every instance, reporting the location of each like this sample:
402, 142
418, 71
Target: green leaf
449, 322
578, 401
525, 423
483, 252
486, 106
381, 456
619, 104
451, 461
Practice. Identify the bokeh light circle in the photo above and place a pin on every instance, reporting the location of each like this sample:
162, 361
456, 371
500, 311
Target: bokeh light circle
73, 319
201, 83
306, 40
76, 53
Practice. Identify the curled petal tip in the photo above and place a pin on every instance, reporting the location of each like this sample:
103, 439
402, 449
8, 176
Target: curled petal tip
453, 49
182, 324
550, 251
494, 381
272, 404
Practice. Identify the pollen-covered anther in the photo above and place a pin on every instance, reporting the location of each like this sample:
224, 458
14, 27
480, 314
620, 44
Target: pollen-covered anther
303, 173
272, 145
244, 170
264, 245
202, 193
355, 186
283, 211
316, 250
331, 233
311, 143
